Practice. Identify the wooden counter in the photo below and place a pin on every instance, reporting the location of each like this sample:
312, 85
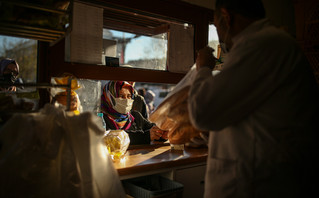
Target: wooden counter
152, 159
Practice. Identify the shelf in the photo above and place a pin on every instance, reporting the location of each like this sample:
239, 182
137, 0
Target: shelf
24, 31
39, 20
102, 72
47, 8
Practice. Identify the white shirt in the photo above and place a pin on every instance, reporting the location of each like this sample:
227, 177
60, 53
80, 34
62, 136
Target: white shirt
261, 111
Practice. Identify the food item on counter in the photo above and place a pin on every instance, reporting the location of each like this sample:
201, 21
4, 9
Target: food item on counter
172, 115
116, 142
178, 147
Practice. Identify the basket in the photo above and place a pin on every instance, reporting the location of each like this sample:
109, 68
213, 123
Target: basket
153, 186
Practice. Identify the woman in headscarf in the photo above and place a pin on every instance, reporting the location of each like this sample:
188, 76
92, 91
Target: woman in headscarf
9, 70
116, 105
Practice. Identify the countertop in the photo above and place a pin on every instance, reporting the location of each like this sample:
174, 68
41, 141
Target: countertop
151, 158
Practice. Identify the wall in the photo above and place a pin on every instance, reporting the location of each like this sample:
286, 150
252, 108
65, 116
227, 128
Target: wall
281, 12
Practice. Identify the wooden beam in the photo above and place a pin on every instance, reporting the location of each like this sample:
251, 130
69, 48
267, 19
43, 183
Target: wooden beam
57, 66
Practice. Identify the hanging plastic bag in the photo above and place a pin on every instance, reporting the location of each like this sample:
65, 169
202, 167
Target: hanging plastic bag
172, 114
62, 96
51, 154
117, 142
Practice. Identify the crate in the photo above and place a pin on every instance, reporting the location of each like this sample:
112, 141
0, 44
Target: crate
153, 186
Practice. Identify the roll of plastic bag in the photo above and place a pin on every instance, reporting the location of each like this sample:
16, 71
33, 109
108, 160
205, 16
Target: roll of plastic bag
52, 154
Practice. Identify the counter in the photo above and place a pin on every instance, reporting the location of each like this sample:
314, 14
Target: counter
151, 159
187, 167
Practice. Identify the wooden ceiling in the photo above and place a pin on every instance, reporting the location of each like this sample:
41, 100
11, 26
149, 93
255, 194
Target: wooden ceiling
133, 22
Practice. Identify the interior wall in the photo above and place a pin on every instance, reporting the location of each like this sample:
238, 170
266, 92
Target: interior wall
203, 3
280, 12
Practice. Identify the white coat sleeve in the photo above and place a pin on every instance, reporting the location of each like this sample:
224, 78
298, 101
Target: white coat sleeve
251, 74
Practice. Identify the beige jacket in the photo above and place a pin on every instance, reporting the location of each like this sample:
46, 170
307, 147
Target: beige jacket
261, 110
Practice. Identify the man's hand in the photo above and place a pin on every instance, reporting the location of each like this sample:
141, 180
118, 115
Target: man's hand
199, 141
156, 133
205, 58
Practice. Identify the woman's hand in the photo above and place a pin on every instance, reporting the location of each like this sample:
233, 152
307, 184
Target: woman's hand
156, 133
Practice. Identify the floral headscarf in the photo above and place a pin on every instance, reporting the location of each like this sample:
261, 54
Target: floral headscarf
110, 91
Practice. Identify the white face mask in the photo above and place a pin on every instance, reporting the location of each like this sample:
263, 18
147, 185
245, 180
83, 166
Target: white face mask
123, 106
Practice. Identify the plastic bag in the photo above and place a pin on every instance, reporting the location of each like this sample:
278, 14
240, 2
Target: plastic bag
61, 97
172, 114
51, 154
117, 142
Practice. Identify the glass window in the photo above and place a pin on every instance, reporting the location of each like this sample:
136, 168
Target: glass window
213, 39
24, 52
134, 50
160, 90
90, 92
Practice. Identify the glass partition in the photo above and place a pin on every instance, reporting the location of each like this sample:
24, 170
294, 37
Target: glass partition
90, 92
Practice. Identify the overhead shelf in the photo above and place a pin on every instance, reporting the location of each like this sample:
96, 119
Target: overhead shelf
36, 19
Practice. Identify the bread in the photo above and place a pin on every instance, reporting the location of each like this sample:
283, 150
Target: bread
172, 115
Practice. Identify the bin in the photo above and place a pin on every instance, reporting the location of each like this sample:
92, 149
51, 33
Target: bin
153, 186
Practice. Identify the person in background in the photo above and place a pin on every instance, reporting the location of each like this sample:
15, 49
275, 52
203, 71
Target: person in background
261, 109
139, 103
9, 71
141, 92
116, 104
149, 99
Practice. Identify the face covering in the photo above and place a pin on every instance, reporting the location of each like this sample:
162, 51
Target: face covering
123, 106
8, 78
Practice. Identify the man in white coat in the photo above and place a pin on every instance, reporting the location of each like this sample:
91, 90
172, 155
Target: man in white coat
261, 109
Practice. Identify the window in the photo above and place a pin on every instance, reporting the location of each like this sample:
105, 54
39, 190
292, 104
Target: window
213, 39
159, 89
135, 50
24, 51
90, 92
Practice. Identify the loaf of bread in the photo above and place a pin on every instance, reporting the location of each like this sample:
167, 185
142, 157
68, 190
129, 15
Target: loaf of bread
172, 115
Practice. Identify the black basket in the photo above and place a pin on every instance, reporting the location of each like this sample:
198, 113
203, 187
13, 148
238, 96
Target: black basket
153, 186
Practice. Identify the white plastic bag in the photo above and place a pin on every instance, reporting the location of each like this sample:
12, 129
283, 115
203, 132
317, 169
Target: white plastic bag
51, 154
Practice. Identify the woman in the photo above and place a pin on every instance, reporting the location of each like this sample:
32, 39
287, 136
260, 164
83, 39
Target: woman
9, 70
116, 104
